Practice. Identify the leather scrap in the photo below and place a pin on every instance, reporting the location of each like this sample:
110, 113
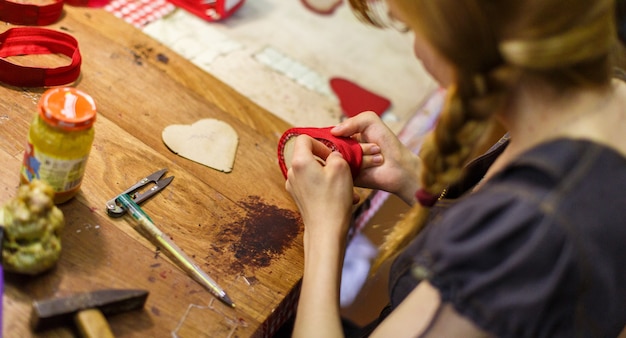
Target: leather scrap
349, 148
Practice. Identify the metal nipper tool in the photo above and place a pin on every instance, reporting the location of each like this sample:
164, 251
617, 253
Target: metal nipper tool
115, 210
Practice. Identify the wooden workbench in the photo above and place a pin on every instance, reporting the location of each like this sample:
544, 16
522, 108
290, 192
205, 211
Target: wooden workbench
242, 227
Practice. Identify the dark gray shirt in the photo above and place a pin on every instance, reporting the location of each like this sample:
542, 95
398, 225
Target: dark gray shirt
538, 251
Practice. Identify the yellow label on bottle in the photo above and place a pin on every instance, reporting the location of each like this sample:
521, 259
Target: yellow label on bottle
62, 174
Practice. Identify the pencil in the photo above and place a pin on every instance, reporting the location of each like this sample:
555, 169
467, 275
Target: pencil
166, 243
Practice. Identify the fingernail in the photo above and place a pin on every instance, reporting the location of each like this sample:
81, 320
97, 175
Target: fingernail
377, 159
375, 149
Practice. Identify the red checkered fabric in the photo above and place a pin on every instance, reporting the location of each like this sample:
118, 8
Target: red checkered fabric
139, 12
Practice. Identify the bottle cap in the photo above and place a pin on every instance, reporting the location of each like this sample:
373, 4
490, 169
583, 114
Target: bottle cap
67, 108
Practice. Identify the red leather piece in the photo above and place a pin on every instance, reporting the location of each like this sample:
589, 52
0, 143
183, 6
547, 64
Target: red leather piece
349, 148
324, 8
355, 99
30, 14
209, 10
33, 41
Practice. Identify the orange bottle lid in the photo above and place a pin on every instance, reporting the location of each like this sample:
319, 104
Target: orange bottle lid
67, 108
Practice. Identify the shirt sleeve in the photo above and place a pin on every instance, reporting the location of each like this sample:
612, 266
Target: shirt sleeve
499, 259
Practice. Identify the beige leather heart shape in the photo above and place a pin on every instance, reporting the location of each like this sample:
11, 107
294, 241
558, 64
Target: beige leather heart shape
208, 141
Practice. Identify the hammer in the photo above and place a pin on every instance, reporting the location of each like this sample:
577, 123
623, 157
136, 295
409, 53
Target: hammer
87, 310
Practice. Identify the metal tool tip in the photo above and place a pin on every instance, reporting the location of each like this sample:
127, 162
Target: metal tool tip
228, 301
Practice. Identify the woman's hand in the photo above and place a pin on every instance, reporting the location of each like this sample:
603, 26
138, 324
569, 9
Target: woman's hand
320, 183
322, 191
387, 164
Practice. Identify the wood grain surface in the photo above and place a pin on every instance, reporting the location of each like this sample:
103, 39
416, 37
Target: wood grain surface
242, 228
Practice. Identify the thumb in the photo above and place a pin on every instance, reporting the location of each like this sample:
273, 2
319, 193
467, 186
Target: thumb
336, 161
334, 156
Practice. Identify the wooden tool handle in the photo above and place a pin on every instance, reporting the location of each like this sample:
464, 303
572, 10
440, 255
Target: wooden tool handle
92, 324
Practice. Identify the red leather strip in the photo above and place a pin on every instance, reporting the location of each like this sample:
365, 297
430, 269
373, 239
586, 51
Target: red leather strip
349, 148
32, 41
30, 14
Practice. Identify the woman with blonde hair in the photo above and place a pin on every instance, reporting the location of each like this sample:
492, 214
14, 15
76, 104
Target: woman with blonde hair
526, 240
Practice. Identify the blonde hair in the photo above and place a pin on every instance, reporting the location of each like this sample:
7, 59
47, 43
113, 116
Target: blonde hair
492, 45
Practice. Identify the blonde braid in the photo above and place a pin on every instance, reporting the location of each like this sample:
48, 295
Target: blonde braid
444, 153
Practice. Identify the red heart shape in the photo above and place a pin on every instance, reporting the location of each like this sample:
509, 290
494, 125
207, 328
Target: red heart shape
355, 99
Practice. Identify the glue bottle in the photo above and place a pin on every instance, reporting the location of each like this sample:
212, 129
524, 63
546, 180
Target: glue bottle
59, 141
